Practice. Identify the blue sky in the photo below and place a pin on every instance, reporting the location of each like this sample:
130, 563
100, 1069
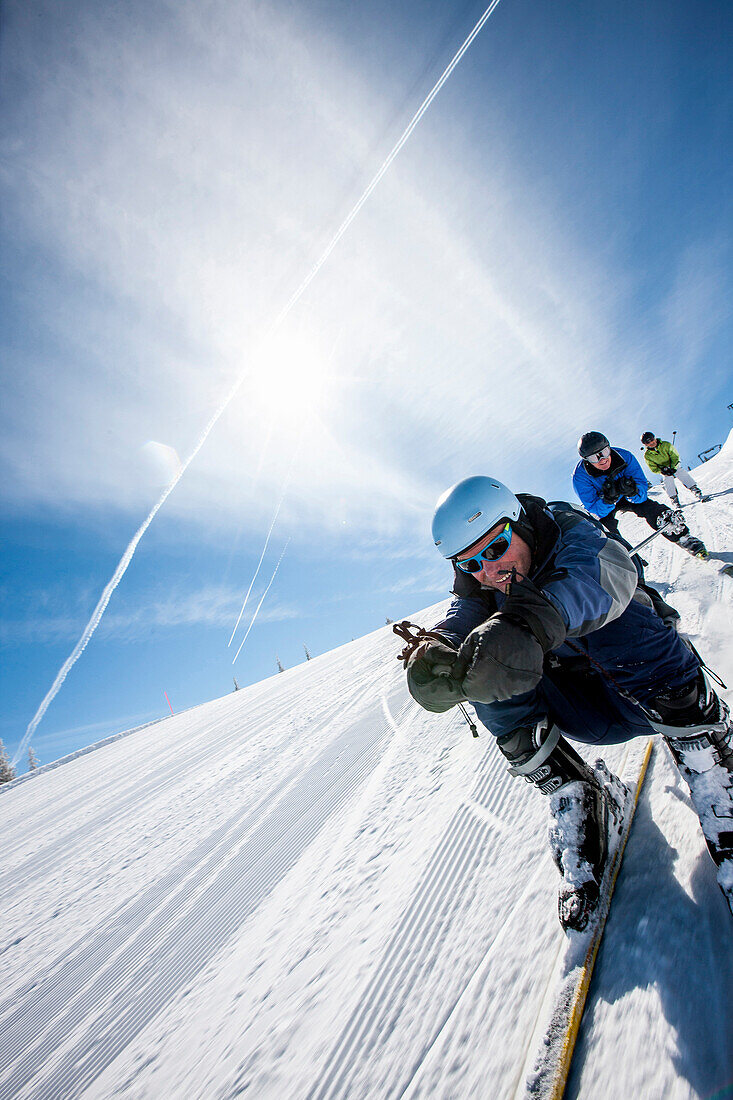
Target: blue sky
549, 253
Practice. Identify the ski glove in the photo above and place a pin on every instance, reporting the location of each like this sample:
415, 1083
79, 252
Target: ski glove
668, 471
501, 658
430, 678
504, 656
627, 486
531, 607
610, 491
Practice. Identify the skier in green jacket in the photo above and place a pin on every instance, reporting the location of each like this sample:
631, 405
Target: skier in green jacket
661, 458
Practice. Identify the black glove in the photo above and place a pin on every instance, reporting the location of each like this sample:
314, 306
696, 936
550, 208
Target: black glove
430, 678
667, 470
501, 658
627, 486
610, 491
529, 605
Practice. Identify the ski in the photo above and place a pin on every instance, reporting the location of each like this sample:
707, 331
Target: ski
545, 1072
725, 570
712, 797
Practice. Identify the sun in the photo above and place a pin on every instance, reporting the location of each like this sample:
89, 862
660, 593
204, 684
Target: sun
290, 378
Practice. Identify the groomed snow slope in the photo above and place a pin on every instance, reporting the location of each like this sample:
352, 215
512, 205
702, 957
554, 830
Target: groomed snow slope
311, 888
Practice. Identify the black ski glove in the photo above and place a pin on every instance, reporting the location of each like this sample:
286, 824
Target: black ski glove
610, 491
504, 656
501, 658
667, 470
627, 486
528, 604
430, 678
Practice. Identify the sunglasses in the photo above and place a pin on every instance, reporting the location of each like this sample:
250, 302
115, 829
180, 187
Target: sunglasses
599, 455
493, 550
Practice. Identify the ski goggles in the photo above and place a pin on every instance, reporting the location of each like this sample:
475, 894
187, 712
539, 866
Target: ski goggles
598, 456
493, 550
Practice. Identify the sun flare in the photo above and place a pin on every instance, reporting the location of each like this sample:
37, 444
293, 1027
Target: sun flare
291, 378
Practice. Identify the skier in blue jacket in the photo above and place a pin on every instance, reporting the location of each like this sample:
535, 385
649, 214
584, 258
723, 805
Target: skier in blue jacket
552, 638
610, 480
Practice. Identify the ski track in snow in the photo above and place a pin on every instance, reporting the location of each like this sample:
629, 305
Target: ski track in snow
311, 888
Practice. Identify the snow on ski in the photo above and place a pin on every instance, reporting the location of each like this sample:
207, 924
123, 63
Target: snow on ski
725, 570
551, 1048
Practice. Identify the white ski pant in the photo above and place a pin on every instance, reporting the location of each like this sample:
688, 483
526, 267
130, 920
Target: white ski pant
682, 475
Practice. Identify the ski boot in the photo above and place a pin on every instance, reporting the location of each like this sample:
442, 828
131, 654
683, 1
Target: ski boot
699, 493
696, 725
586, 807
675, 502
693, 546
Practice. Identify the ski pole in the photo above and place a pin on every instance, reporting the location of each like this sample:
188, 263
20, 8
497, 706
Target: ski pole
413, 635
659, 530
648, 539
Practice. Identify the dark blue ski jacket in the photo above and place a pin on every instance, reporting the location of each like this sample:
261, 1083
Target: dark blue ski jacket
586, 575
617, 652
588, 481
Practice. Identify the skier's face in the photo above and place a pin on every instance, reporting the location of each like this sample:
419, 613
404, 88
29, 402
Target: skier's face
514, 564
603, 463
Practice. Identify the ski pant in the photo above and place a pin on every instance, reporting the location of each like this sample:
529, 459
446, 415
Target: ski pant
594, 688
683, 476
649, 510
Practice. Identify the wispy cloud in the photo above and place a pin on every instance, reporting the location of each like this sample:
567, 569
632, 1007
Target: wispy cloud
181, 184
698, 303
208, 606
191, 223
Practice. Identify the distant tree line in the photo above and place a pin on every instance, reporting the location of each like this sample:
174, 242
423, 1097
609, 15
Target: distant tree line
7, 771
281, 667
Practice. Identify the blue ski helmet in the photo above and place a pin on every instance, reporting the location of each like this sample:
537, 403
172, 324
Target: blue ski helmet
468, 510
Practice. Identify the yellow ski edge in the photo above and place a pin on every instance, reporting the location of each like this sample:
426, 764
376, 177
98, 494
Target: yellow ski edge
556, 1041
577, 1006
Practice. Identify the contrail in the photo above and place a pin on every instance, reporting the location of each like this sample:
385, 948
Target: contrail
387, 163
107, 594
286, 486
262, 600
127, 556
259, 563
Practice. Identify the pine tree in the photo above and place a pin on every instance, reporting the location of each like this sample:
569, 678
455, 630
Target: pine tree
279, 664
33, 761
7, 771
388, 621
307, 654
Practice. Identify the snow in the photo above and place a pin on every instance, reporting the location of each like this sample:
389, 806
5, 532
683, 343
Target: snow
312, 888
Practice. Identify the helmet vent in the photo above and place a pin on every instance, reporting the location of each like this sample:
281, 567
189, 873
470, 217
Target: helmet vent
473, 517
